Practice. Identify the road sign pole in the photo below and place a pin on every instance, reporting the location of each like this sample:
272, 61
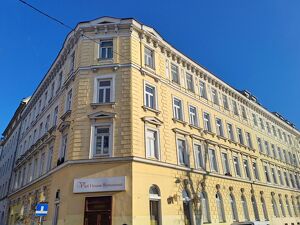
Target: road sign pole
41, 220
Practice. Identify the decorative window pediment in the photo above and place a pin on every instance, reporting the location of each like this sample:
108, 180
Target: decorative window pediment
63, 125
101, 114
152, 120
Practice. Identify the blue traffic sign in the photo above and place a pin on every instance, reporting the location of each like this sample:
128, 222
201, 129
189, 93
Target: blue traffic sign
41, 209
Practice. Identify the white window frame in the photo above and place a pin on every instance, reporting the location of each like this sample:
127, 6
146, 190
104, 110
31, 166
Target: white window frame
157, 143
155, 105
215, 96
69, 101
152, 57
196, 120
208, 127
192, 88
197, 160
216, 170
112, 92
100, 50
92, 140
174, 110
186, 162
220, 127
177, 73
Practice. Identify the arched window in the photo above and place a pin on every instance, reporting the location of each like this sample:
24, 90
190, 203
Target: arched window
233, 208
187, 207
255, 210
220, 207
274, 206
204, 207
264, 208
282, 206
245, 208
294, 207
154, 203
288, 206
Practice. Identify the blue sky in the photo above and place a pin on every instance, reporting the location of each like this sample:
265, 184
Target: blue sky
251, 45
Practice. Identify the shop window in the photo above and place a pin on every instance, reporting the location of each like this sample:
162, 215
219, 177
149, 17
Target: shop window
98, 210
154, 203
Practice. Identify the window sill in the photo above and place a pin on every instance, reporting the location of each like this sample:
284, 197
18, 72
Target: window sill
146, 108
105, 60
195, 127
221, 137
101, 156
65, 115
150, 68
209, 132
95, 105
179, 121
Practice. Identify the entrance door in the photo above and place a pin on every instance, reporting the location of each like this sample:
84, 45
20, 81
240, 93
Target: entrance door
98, 210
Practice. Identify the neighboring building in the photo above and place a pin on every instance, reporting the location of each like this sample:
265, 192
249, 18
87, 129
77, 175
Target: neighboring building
8, 148
125, 129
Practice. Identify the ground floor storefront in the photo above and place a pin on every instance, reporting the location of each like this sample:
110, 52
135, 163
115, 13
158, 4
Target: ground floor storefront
140, 192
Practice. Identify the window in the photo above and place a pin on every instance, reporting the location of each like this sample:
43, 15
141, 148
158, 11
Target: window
72, 62
42, 164
220, 207
187, 207
274, 130
59, 83
63, 148
213, 160
264, 207
254, 119
199, 155
279, 133
55, 115
287, 204
262, 123
193, 116
52, 90
190, 82
106, 49
152, 145
249, 140
274, 151
280, 176
154, 203
233, 208
219, 126
47, 123
245, 208
182, 152
267, 148
202, 90
104, 90
240, 136
235, 108
287, 182
69, 100
268, 127
102, 140
267, 174
290, 140
205, 207
246, 167
244, 114
284, 136
260, 147
175, 74
274, 175
281, 206
215, 97
49, 158
225, 163
279, 153
255, 169
236, 164
149, 58
230, 131
255, 210
150, 96
177, 107
225, 102
206, 119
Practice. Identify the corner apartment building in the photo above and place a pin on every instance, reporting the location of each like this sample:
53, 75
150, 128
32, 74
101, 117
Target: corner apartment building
125, 129
8, 148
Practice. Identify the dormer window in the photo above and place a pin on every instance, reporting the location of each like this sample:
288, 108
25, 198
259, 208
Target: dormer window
106, 49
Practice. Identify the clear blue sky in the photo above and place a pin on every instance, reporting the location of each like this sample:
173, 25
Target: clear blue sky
252, 45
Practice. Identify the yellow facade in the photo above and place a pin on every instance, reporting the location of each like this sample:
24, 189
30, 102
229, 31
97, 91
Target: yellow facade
128, 119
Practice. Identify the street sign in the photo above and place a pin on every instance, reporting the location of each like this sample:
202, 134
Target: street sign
41, 209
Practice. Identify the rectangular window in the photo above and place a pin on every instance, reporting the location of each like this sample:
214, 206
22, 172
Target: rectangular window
287, 182
42, 164
106, 49
206, 119
255, 169
63, 149
190, 82
249, 140
59, 83
290, 140
279, 153
219, 126
102, 140
149, 58
52, 90
254, 119
215, 97
202, 91
284, 136
175, 73
230, 131
259, 143
236, 164
213, 160
235, 108
267, 173
246, 167
280, 176
268, 127
199, 154
69, 100
225, 102
261, 123
225, 163
47, 123
49, 158
240, 136
279, 134
150, 96
274, 175
72, 62
274, 151
244, 114
104, 90
182, 152
274, 131
193, 116
152, 146
177, 108
55, 116
267, 148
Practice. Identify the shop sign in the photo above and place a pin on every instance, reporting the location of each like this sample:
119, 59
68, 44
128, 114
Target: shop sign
99, 184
